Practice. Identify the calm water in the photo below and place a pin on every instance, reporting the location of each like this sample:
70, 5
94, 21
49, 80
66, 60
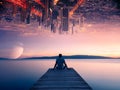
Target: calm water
100, 74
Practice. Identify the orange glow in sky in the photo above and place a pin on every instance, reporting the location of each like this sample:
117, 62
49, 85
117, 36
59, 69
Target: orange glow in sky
39, 2
36, 12
76, 6
20, 3
55, 2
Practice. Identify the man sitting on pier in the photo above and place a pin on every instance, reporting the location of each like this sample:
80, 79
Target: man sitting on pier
60, 63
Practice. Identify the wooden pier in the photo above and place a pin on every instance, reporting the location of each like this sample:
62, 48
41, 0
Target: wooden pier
67, 79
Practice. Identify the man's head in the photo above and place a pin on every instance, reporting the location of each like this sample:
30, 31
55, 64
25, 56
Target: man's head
60, 55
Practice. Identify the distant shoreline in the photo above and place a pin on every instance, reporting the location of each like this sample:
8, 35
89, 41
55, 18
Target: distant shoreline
66, 57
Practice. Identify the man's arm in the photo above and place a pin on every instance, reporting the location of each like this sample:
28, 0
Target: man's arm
55, 64
65, 64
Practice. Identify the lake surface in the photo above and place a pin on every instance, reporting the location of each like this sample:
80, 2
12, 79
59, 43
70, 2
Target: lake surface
100, 74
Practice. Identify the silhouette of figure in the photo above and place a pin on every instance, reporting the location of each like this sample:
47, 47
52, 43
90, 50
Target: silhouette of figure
60, 63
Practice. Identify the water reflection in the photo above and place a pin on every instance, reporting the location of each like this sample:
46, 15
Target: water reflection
20, 75
100, 74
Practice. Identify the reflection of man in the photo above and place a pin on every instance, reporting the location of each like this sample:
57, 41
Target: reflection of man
60, 63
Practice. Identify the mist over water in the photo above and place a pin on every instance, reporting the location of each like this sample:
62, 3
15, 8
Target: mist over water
21, 75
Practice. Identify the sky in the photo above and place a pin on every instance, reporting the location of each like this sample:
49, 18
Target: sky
101, 39
18, 40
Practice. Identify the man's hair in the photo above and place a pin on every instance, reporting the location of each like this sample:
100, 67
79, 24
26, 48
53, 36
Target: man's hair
60, 55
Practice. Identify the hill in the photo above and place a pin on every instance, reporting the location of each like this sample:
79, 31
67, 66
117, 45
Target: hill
72, 57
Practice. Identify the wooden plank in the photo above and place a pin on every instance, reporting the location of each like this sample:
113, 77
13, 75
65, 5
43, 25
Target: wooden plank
67, 79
